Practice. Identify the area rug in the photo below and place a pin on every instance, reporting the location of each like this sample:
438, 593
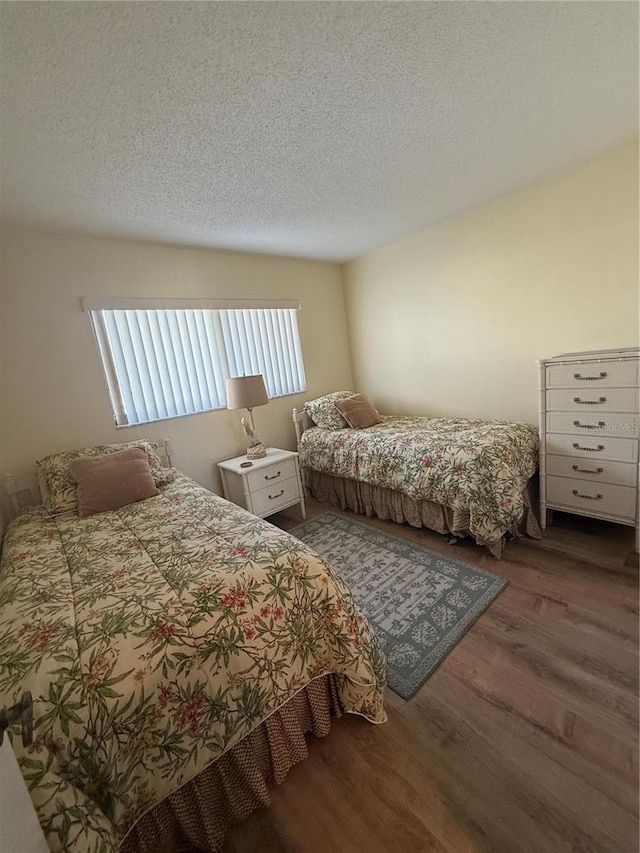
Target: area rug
418, 602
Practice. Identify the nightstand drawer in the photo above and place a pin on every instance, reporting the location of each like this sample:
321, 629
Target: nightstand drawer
279, 494
266, 476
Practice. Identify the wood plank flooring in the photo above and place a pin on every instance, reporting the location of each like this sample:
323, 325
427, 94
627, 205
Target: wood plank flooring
523, 741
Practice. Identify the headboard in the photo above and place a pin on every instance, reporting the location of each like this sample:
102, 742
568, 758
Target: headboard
301, 422
23, 492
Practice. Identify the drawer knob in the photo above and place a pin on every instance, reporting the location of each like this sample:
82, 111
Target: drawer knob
595, 449
599, 425
587, 470
603, 373
588, 497
274, 477
589, 402
279, 495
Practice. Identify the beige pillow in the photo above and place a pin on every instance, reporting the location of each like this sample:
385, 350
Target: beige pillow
357, 412
112, 481
57, 487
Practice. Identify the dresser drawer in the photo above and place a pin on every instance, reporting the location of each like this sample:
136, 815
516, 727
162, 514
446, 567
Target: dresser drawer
276, 496
621, 424
591, 447
594, 471
593, 401
265, 476
603, 500
593, 375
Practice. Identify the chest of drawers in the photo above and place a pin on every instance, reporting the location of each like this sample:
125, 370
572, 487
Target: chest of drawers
589, 435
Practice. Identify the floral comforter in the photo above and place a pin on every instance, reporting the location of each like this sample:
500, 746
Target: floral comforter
153, 639
474, 465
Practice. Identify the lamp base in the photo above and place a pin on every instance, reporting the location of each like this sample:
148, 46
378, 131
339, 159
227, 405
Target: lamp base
256, 451
256, 448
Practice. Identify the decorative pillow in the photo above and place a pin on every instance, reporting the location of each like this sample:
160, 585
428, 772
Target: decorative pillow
57, 487
358, 412
108, 482
323, 411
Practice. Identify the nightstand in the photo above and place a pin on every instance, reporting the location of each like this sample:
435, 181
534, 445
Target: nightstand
267, 486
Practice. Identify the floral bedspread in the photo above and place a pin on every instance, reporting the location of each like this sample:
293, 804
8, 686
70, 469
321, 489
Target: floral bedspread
153, 639
474, 465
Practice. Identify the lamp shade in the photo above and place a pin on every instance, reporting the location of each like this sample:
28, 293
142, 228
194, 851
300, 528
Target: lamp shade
245, 392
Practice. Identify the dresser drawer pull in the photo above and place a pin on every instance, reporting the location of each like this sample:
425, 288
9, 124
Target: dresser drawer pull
279, 495
588, 497
599, 425
580, 376
275, 476
587, 470
589, 402
576, 446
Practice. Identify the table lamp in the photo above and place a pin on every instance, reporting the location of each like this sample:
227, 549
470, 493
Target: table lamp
247, 392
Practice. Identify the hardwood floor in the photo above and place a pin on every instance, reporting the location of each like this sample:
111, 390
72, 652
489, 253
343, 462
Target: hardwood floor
525, 738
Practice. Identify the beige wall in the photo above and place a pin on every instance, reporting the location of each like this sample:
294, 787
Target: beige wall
451, 320
53, 394
2, 511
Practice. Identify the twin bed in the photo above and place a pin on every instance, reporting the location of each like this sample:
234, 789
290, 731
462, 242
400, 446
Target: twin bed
177, 649
456, 476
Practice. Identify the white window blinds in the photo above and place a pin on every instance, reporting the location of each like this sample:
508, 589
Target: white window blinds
166, 362
265, 342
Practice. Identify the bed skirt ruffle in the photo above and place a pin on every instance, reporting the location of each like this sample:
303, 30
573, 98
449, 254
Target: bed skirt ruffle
388, 504
199, 815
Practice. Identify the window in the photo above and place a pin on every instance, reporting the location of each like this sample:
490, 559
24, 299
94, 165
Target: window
167, 358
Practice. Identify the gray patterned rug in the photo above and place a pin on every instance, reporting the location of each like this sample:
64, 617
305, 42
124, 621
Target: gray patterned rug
419, 602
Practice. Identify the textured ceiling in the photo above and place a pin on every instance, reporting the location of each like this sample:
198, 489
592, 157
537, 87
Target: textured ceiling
315, 129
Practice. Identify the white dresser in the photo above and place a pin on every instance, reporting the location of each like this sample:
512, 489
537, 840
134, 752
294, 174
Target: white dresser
589, 436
